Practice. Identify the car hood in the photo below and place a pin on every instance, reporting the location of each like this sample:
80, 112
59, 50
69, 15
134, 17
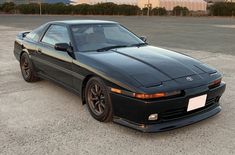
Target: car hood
151, 66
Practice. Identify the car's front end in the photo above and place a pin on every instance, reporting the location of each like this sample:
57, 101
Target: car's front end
151, 89
166, 113
168, 89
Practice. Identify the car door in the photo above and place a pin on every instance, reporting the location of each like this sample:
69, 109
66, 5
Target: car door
55, 64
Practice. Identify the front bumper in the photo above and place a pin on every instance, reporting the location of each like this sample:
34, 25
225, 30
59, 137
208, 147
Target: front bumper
173, 113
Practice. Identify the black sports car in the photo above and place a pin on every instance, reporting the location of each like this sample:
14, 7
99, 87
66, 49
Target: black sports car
119, 76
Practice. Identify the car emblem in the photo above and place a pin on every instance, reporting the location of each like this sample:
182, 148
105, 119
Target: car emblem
189, 78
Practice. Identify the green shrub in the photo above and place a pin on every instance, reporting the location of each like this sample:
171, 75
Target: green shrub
128, 10
145, 11
180, 11
82, 9
222, 9
158, 11
104, 9
8, 7
28, 8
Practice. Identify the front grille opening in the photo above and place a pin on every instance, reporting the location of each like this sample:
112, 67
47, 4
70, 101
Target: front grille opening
181, 112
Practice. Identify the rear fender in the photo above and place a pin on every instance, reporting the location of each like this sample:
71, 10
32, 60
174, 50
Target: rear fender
18, 45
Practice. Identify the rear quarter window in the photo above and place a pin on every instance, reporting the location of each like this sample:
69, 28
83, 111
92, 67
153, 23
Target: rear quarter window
35, 34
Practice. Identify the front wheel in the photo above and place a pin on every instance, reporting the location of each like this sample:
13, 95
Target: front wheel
98, 100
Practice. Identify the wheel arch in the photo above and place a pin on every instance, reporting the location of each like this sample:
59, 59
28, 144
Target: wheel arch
86, 79
24, 51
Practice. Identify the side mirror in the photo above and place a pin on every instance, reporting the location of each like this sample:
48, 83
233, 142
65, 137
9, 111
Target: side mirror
62, 47
143, 38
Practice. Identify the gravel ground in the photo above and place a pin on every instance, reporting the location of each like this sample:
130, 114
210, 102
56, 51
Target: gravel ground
43, 118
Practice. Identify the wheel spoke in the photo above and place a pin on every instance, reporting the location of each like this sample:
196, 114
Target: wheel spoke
94, 98
93, 92
27, 72
102, 97
96, 88
99, 91
100, 108
26, 67
102, 104
96, 103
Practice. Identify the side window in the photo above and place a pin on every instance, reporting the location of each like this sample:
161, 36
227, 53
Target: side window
56, 34
31, 35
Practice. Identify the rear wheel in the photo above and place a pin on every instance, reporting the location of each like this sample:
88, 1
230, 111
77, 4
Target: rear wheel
98, 100
27, 70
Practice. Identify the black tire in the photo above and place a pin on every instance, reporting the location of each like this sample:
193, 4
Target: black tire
98, 100
27, 69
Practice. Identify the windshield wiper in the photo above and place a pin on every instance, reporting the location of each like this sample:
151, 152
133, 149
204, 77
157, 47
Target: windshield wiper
138, 45
110, 47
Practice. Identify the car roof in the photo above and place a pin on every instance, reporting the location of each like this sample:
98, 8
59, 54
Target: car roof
83, 21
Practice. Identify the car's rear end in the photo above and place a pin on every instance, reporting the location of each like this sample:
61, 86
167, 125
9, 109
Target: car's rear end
18, 44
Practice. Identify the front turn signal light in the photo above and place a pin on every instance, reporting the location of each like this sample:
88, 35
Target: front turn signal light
145, 96
215, 83
218, 81
156, 95
115, 90
148, 96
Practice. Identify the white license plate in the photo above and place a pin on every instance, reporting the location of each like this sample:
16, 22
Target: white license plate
196, 102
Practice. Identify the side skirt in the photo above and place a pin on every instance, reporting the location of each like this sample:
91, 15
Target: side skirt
46, 77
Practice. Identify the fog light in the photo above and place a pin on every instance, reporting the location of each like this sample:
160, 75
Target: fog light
153, 117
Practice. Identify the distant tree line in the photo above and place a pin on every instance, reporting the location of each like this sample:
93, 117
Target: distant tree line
8, 7
217, 9
222, 9
81, 9
86, 9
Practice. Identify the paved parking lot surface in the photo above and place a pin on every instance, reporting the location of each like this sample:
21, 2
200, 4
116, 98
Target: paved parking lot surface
43, 118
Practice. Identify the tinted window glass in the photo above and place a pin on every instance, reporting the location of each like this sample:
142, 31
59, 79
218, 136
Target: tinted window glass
56, 34
95, 36
35, 34
30, 35
111, 34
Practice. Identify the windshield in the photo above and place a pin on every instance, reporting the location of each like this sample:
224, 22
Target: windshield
94, 37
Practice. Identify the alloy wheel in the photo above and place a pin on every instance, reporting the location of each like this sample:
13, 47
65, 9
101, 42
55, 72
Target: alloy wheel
25, 67
96, 99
